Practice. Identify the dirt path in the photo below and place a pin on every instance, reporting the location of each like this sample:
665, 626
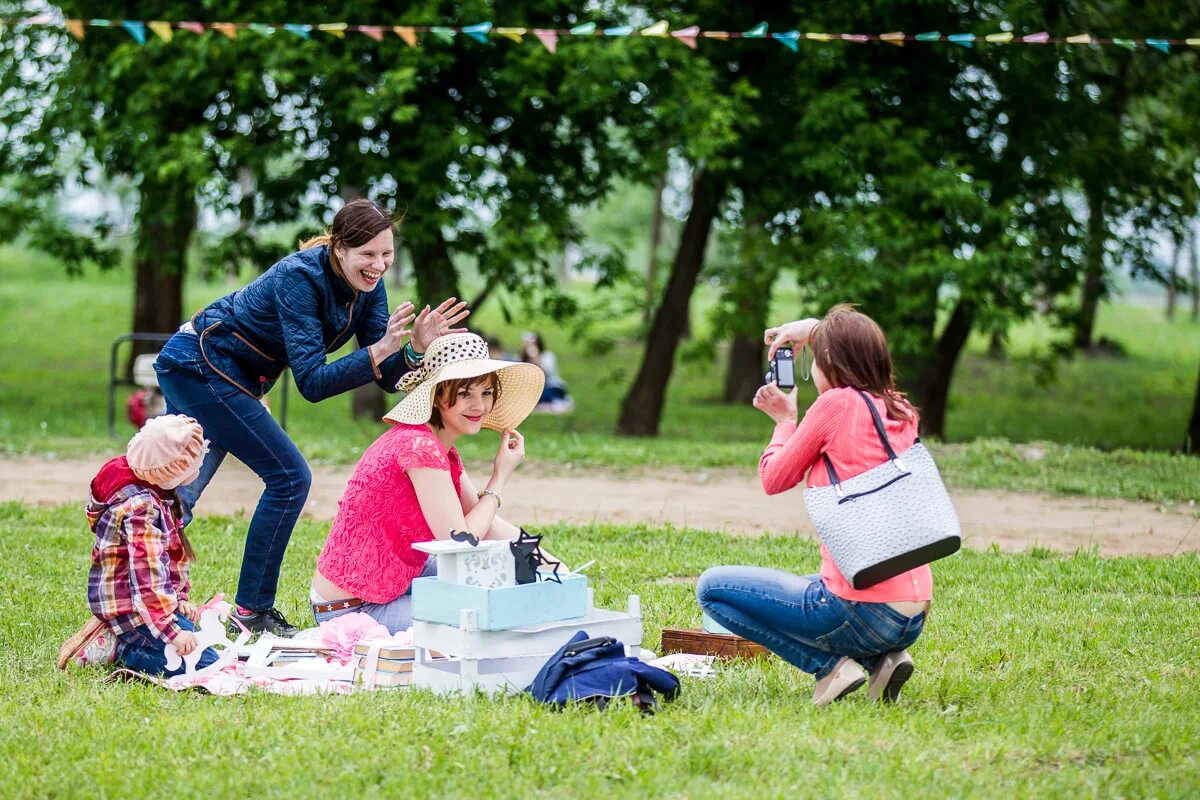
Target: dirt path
722, 500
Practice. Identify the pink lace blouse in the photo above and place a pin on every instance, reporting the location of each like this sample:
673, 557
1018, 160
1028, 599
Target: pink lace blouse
368, 552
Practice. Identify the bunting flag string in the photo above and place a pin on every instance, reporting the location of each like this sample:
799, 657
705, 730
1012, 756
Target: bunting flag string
485, 33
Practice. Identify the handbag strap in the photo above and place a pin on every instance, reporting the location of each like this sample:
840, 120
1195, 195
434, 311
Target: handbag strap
879, 429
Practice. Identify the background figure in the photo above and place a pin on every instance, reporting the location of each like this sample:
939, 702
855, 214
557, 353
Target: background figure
555, 398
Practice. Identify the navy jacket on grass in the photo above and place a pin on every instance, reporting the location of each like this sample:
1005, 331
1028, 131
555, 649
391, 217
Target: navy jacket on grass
293, 315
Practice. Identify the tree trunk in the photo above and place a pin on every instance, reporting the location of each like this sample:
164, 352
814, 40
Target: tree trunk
436, 275
1093, 277
166, 219
641, 411
1195, 252
656, 214
933, 380
1192, 443
746, 368
1180, 243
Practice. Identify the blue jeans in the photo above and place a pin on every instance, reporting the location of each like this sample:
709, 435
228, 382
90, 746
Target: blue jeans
802, 621
234, 422
395, 615
139, 650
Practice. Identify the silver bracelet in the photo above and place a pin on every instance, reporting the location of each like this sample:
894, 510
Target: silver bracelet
496, 495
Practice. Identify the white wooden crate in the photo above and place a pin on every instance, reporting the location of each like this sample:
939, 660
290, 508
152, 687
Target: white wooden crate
510, 675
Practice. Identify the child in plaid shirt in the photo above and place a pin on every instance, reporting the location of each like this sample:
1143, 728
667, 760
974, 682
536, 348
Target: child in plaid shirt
138, 584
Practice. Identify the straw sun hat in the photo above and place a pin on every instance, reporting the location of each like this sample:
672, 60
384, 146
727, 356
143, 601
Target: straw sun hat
465, 355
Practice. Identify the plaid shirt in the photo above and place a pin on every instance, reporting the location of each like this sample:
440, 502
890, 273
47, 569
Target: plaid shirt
139, 568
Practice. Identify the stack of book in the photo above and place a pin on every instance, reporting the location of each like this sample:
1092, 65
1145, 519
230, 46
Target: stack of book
390, 663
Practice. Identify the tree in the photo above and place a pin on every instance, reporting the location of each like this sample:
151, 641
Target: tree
180, 118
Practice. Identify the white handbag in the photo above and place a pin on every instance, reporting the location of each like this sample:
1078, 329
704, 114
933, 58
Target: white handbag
888, 520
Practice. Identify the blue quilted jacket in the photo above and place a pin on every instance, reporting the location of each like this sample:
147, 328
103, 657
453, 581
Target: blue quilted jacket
294, 315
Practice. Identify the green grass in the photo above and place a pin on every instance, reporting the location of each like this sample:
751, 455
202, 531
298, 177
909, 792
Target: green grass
1099, 425
1037, 676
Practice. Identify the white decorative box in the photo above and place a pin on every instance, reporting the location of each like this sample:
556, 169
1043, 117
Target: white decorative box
509, 660
437, 600
489, 564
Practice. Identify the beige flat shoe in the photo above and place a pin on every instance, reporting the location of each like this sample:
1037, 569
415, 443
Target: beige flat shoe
847, 676
891, 674
92, 644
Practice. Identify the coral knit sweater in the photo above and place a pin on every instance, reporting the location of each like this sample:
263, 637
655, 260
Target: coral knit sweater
839, 423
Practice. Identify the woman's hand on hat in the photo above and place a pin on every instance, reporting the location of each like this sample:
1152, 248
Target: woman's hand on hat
397, 329
432, 323
510, 454
776, 403
791, 334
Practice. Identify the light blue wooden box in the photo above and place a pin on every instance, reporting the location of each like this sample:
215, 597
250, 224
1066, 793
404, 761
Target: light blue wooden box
500, 609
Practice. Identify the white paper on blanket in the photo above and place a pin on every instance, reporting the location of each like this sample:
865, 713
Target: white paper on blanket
264, 652
211, 633
689, 664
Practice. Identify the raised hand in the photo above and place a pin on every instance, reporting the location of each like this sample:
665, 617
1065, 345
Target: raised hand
432, 323
510, 453
398, 327
776, 403
792, 334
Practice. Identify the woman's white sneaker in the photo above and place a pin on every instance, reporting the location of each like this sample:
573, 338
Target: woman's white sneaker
889, 676
847, 675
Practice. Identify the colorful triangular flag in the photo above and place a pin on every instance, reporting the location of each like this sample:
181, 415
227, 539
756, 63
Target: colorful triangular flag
1162, 45
195, 27
788, 39
586, 29
548, 38
478, 31
300, 30
409, 35
620, 30
1036, 38
229, 29
999, 38
162, 30
373, 31
658, 29
443, 34
1080, 38
258, 27
963, 39
75, 26
136, 29
1128, 44
895, 37
687, 35
337, 29
516, 34
930, 36
759, 31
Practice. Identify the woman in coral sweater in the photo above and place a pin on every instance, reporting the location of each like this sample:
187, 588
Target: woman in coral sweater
820, 623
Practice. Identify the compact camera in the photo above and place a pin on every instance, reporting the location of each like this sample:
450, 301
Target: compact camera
783, 369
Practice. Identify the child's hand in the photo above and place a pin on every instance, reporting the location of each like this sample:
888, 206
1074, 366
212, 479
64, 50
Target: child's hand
775, 403
185, 643
187, 609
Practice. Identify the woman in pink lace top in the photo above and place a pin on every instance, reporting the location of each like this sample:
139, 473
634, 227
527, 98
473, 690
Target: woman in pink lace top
410, 485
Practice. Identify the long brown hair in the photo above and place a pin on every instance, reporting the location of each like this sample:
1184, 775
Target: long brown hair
447, 392
851, 350
355, 224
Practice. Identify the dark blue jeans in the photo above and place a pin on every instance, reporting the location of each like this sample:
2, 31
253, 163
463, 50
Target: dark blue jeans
802, 621
234, 422
139, 650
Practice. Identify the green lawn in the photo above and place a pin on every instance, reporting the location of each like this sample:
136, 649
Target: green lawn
1101, 426
1037, 676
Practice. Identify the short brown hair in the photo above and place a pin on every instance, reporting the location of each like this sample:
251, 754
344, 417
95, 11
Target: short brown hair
851, 350
447, 392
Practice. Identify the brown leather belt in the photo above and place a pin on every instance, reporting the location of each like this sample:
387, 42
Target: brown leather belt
337, 605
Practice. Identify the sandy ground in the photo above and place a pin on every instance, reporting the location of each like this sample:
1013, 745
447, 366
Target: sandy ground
721, 500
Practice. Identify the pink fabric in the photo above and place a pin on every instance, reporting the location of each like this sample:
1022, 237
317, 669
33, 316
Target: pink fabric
839, 423
342, 633
369, 550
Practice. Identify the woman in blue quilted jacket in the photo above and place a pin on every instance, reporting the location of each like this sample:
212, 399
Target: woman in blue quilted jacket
218, 367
